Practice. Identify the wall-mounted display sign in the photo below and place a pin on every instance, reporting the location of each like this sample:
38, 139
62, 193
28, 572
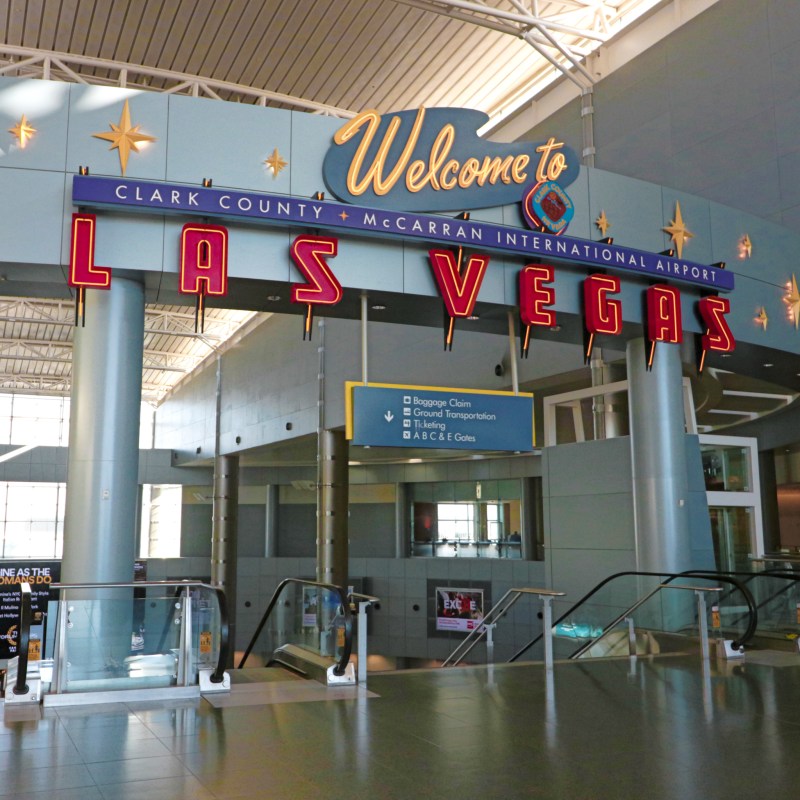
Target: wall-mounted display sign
383, 415
39, 574
458, 609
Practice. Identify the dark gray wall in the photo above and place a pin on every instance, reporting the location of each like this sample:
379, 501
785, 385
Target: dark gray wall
372, 530
297, 531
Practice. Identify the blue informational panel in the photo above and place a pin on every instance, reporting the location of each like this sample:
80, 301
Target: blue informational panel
447, 419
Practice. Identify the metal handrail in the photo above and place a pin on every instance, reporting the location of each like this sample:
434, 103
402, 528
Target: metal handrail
669, 576
25, 616
498, 610
218, 676
344, 660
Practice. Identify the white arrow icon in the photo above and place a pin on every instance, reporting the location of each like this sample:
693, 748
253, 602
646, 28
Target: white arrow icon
388, 416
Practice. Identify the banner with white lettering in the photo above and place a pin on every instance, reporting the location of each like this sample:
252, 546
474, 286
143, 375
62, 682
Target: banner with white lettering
39, 574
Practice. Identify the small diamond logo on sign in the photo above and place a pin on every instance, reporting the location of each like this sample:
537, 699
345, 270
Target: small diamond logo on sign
547, 207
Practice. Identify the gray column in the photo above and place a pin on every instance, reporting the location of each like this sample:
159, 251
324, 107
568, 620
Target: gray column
402, 530
332, 508
271, 521
103, 462
102, 475
224, 533
769, 501
658, 456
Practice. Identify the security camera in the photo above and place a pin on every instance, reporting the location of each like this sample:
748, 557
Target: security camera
499, 370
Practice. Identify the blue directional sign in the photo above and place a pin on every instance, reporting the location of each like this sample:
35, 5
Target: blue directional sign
448, 419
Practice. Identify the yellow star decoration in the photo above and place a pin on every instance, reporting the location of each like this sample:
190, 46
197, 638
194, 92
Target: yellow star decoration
344, 215
22, 131
275, 163
124, 138
745, 247
792, 300
678, 231
762, 319
602, 223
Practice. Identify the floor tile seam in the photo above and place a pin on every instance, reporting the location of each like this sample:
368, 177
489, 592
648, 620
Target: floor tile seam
56, 768
109, 791
284, 767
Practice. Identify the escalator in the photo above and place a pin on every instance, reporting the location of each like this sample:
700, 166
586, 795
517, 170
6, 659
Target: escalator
777, 597
307, 629
646, 613
180, 645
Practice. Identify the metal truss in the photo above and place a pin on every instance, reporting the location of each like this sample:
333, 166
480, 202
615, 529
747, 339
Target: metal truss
36, 345
562, 32
28, 62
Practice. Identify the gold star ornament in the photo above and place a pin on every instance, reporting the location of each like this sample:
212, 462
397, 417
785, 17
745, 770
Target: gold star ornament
602, 223
125, 137
275, 163
22, 131
678, 231
792, 300
762, 319
745, 247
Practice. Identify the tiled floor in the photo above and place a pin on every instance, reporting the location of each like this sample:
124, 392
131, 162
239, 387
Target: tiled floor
614, 729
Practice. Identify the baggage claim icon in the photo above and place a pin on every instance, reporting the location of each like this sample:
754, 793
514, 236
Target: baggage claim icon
547, 207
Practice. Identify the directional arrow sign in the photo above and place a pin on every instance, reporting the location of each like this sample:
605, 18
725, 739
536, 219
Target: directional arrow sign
386, 415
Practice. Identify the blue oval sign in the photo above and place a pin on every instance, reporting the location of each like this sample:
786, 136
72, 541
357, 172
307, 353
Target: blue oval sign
434, 160
547, 206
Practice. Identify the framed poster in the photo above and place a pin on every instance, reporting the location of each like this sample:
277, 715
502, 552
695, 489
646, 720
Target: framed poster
458, 609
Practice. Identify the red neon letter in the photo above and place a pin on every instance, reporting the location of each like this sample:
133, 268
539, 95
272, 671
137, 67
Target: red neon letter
535, 296
309, 253
718, 335
82, 271
204, 259
664, 321
459, 291
601, 314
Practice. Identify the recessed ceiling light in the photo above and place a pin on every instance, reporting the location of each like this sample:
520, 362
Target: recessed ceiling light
273, 298
726, 355
555, 328
473, 317
378, 307
767, 364
414, 460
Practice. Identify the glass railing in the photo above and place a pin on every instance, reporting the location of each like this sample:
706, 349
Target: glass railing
465, 548
312, 619
635, 612
777, 597
128, 636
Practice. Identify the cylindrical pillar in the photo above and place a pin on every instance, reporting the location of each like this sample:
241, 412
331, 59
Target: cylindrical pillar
658, 456
224, 533
102, 474
103, 460
332, 508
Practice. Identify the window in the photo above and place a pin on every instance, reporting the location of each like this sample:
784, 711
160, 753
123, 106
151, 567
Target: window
32, 522
161, 521
469, 519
